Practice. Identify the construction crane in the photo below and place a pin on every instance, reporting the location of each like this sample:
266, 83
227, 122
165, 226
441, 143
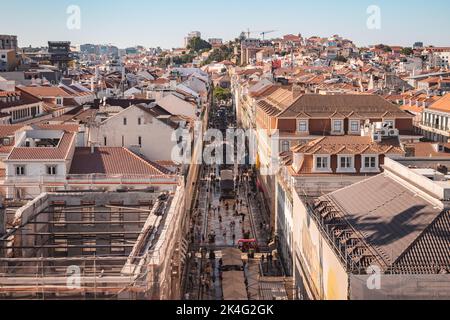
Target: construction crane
263, 33
266, 32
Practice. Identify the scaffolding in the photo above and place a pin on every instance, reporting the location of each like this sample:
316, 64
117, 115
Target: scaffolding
93, 246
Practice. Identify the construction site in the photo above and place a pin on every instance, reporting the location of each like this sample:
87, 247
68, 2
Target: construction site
94, 245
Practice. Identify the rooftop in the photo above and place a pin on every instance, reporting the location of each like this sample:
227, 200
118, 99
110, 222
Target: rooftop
113, 161
396, 223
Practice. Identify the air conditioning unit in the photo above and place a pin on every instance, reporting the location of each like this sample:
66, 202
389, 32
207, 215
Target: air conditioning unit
377, 137
394, 133
383, 132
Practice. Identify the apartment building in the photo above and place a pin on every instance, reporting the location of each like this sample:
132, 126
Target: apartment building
20, 107
385, 224
140, 128
49, 158
285, 120
8, 42
322, 166
8, 60
435, 124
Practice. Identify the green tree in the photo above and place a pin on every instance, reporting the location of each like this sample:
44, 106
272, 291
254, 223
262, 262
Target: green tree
407, 51
222, 94
197, 44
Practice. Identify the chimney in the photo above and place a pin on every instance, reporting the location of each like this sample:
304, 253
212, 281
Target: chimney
92, 148
297, 161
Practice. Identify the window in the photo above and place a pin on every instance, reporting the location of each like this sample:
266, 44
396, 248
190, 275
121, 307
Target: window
20, 170
285, 146
59, 101
346, 162
124, 121
61, 246
370, 162
140, 141
105, 141
303, 126
88, 216
139, 121
117, 216
51, 170
354, 126
322, 163
89, 247
338, 125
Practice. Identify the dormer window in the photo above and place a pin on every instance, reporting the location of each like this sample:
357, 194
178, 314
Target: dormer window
346, 163
354, 126
303, 126
338, 126
322, 163
59, 101
370, 163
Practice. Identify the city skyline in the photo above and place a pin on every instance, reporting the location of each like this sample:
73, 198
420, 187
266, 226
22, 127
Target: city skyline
131, 23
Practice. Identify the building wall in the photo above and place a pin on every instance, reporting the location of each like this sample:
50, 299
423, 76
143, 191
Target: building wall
156, 135
318, 272
284, 225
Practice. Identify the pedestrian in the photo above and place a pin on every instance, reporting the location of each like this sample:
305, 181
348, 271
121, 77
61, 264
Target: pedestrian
220, 219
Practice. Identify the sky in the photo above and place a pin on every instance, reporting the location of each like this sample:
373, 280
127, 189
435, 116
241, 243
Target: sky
153, 23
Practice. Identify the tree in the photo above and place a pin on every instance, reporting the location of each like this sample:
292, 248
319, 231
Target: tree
219, 54
197, 44
222, 94
407, 51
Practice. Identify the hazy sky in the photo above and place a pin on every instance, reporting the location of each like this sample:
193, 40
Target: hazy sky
165, 23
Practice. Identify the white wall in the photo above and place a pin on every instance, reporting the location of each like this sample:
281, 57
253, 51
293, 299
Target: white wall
156, 135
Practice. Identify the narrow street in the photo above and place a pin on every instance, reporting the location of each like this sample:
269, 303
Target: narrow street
220, 223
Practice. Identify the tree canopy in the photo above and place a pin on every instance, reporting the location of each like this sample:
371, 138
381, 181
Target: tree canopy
198, 44
222, 94
407, 51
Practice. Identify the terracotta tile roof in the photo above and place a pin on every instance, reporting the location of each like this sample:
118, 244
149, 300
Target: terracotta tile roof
425, 149
349, 145
25, 98
9, 130
367, 105
53, 153
277, 101
41, 92
442, 104
68, 127
113, 161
